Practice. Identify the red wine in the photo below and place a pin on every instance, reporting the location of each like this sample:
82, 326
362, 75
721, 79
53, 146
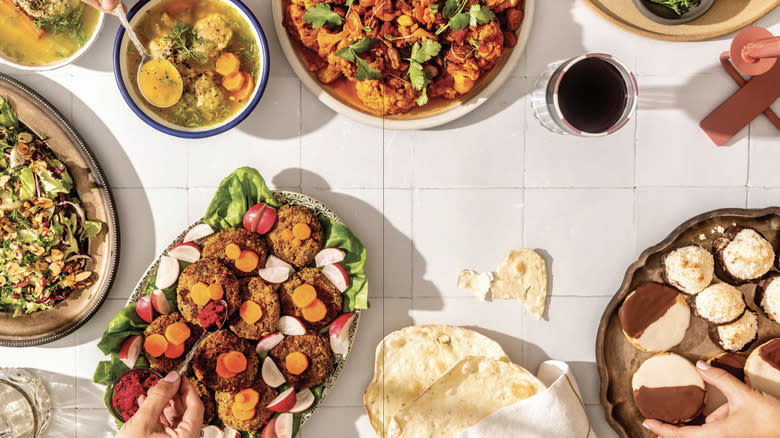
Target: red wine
592, 95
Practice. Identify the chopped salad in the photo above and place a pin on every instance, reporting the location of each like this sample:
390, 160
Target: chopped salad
43, 227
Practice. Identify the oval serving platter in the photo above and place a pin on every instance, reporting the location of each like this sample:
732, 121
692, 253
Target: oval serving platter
422, 119
323, 212
617, 359
90, 184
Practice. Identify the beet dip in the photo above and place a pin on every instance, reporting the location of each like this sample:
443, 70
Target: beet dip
127, 390
213, 313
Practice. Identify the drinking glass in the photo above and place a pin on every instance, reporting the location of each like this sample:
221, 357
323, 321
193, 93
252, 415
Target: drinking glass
25, 406
570, 110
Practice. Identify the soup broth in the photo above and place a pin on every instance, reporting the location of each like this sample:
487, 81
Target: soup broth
175, 24
41, 42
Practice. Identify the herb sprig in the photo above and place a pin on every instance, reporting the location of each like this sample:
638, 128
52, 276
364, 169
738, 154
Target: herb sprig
67, 23
678, 6
321, 14
420, 78
350, 53
185, 40
457, 19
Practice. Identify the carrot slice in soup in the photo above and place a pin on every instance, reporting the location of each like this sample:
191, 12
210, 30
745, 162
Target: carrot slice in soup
247, 261
228, 64
200, 294
235, 362
216, 292
296, 362
174, 350
251, 312
234, 82
9, 9
304, 295
177, 333
178, 8
232, 251
315, 311
155, 345
246, 91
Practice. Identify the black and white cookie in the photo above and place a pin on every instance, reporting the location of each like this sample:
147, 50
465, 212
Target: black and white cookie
768, 296
654, 317
668, 388
762, 369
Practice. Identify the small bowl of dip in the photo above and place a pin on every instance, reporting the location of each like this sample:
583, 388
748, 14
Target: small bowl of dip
126, 389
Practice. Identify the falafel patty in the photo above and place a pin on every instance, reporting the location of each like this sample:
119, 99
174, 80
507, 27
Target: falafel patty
286, 246
162, 363
225, 402
326, 292
207, 397
208, 271
205, 361
317, 350
264, 295
246, 240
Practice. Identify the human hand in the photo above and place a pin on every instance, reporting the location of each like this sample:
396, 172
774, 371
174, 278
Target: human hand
106, 6
747, 413
171, 409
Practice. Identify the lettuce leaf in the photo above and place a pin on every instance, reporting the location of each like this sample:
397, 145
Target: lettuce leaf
242, 189
339, 236
125, 323
91, 229
27, 181
8, 117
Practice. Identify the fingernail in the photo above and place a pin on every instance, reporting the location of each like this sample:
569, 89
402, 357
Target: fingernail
644, 424
703, 365
172, 377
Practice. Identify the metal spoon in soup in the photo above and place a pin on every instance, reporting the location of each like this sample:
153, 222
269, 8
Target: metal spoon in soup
158, 79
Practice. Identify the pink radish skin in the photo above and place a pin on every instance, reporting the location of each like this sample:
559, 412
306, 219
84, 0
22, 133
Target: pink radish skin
329, 256
284, 401
271, 374
337, 275
284, 425
160, 302
303, 401
339, 333
143, 307
291, 326
268, 342
269, 429
252, 217
186, 252
267, 220
198, 232
130, 350
167, 272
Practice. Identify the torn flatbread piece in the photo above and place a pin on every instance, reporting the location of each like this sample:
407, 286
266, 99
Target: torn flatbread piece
478, 283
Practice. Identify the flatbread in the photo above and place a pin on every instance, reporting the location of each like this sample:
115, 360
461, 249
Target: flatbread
409, 360
522, 275
471, 390
478, 283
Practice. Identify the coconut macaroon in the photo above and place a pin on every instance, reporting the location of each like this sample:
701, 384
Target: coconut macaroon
720, 304
742, 255
762, 369
689, 269
768, 296
738, 335
668, 388
654, 317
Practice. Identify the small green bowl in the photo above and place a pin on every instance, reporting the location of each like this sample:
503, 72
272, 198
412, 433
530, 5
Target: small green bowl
146, 371
666, 16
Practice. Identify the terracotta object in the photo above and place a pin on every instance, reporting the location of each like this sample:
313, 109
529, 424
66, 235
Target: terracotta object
617, 359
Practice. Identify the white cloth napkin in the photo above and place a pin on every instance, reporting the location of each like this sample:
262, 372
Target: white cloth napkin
556, 412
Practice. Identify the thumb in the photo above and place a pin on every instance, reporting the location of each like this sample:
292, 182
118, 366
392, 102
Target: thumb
729, 385
159, 395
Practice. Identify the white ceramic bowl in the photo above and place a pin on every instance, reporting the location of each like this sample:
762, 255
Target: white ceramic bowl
459, 108
5, 59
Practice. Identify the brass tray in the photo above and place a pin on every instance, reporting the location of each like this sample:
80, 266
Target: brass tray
617, 359
70, 313
726, 16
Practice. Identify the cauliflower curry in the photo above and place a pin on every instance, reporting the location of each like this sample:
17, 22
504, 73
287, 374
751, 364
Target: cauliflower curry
389, 57
214, 50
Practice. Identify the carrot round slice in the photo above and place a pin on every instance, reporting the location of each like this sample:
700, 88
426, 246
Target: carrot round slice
227, 64
304, 295
247, 261
222, 370
178, 8
200, 293
235, 362
174, 350
232, 251
315, 311
243, 415
301, 231
177, 333
216, 292
246, 91
155, 345
287, 234
250, 311
246, 399
234, 82
296, 362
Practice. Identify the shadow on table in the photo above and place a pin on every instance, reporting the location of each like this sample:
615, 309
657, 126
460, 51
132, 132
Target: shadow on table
100, 57
359, 216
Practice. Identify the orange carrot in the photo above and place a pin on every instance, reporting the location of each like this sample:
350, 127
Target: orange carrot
247, 261
222, 371
287, 234
174, 350
216, 292
244, 415
315, 311
232, 251
296, 362
234, 82
246, 399
228, 64
301, 231
235, 362
304, 295
249, 87
155, 345
177, 333
178, 8
8, 8
200, 293
251, 312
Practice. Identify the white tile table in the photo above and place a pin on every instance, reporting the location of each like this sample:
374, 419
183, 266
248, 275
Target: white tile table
429, 203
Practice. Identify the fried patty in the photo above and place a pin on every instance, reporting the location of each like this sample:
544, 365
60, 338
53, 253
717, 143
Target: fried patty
298, 253
262, 293
225, 402
157, 327
317, 350
204, 364
326, 292
209, 271
207, 397
245, 239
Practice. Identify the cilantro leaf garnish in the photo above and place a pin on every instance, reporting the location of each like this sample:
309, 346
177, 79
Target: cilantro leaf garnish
452, 7
481, 15
320, 14
350, 53
424, 52
365, 71
459, 20
419, 77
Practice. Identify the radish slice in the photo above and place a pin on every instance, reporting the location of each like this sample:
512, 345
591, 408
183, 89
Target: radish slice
337, 275
268, 342
303, 401
232, 433
269, 430
271, 374
143, 307
275, 262
274, 275
211, 432
160, 302
252, 217
186, 252
267, 220
329, 256
130, 350
284, 401
167, 272
284, 426
339, 333
291, 326
198, 232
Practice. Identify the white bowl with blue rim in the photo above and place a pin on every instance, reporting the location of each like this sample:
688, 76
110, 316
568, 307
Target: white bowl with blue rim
142, 109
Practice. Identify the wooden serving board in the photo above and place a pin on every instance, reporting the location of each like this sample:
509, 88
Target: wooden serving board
726, 16
617, 359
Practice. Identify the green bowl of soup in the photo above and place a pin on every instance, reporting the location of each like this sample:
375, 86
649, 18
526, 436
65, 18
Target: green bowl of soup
220, 51
44, 35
